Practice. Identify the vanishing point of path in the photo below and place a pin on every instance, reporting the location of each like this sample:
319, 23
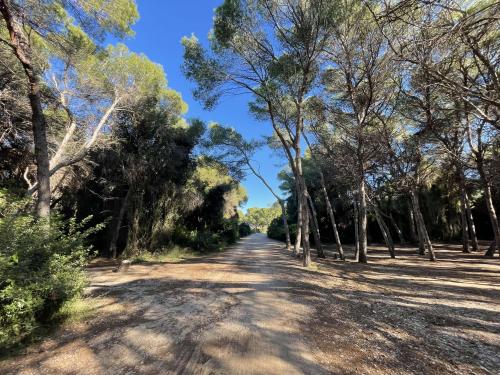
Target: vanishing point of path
254, 310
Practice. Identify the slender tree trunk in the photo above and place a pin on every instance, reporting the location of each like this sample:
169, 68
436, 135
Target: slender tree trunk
422, 230
362, 222
472, 226
494, 222
329, 209
385, 231
315, 227
356, 228
117, 225
285, 224
463, 220
413, 232
491, 211
298, 237
398, 230
306, 249
420, 234
22, 49
463, 213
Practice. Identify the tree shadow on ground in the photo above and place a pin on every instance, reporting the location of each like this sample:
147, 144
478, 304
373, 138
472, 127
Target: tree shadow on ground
388, 317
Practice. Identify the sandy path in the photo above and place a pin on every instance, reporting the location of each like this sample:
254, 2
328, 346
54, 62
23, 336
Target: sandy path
234, 313
254, 310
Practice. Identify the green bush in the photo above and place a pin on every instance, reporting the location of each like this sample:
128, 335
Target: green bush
207, 240
276, 230
41, 267
231, 232
245, 229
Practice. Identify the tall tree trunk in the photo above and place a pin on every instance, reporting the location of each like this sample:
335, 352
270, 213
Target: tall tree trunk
413, 232
117, 225
302, 198
463, 213
463, 220
329, 209
315, 227
298, 237
397, 229
356, 228
362, 222
492, 213
306, 249
385, 231
21, 46
422, 230
472, 226
420, 233
285, 224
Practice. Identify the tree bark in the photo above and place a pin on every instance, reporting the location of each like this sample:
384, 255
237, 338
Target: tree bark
362, 222
422, 230
463, 220
285, 224
491, 212
315, 227
329, 209
306, 249
298, 237
420, 234
413, 232
398, 230
117, 225
385, 231
472, 226
356, 228
463, 213
21, 46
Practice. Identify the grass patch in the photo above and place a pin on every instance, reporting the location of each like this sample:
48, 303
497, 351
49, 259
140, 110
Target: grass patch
172, 254
77, 310
314, 267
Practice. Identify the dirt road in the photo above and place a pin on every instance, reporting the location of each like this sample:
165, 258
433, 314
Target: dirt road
233, 314
254, 310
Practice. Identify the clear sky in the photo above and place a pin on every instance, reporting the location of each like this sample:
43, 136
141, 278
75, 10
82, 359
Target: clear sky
159, 30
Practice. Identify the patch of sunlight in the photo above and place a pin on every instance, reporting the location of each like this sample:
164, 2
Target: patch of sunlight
78, 310
314, 266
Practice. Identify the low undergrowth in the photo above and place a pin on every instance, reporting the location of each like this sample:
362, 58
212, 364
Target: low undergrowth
171, 255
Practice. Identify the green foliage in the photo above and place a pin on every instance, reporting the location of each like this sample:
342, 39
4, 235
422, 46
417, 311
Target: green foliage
245, 229
227, 20
40, 268
201, 68
260, 218
170, 254
276, 230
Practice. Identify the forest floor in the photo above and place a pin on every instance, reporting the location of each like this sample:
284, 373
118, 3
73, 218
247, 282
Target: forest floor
254, 310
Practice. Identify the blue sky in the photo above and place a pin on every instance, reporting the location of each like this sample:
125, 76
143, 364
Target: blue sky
159, 30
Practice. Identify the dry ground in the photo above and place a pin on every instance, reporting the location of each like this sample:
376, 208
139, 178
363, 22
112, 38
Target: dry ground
254, 310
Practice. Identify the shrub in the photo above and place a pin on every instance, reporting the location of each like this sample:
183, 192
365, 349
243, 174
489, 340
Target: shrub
41, 267
276, 230
231, 232
245, 229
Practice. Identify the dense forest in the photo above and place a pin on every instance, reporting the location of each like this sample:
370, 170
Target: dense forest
384, 117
